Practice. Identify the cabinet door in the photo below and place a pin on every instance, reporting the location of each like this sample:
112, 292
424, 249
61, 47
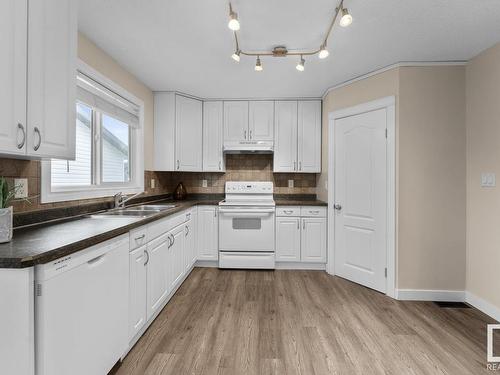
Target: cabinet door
164, 132
188, 134
261, 121
285, 136
288, 239
13, 35
52, 49
188, 245
235, 121
313, 240
158, 273
212, 137
177, 251
137, 291
208, 233
309, 136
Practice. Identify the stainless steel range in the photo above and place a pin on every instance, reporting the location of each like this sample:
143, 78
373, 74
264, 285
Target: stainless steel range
246, 226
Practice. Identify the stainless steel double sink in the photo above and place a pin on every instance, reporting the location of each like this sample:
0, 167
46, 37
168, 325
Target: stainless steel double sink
143, 210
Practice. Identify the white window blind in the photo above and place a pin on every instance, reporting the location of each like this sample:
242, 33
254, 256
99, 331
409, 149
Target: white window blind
105, 100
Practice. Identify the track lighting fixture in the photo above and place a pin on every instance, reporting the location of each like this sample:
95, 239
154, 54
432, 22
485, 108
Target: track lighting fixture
346, 18
323, 52
300, 65
282, 51
233, 24
258, 65
236, 56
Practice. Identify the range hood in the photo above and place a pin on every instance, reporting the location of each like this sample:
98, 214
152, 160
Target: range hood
242, 147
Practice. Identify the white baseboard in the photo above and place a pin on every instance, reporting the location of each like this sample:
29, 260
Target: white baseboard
207, 263
430, 295
482, 305
300, 266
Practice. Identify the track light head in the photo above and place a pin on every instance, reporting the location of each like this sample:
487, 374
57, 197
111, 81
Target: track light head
323, 52
236, 55
258, 65
233, 23
346, 18
300, 66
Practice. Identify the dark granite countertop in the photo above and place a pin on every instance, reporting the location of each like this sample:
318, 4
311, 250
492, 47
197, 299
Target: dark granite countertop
46, 242
42, 243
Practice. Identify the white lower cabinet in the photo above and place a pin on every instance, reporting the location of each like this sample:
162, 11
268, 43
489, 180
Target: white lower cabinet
158, 275
208, 233
137, 290
313, 240
288, 239
177, 253
301, 234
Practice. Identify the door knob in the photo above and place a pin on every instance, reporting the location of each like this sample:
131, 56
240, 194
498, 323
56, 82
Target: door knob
338, 207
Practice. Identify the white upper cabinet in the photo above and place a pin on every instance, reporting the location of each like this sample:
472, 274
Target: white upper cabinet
285, 136
261, 120
164, 131
13, 34
213, 160
52, 51
236, 121
178, 133
38, 75
297, 143
309, 136
188, 134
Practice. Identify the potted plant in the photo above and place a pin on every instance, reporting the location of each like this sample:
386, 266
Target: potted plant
6, 195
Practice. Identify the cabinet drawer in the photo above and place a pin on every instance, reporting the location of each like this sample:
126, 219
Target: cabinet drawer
157, 228
138, 237
288, 211
313, 211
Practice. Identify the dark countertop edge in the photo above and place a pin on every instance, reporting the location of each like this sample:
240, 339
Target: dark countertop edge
74, 247
19, 263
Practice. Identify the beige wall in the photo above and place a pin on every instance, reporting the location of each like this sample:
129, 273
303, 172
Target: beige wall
430, 169
102, 62
483, 155
431, 177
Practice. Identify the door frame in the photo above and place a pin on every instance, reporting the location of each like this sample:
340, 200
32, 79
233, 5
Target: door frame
389, 103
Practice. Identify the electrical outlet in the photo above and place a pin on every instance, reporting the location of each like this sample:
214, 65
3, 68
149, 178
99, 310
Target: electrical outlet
153, 183
204, 183
290, 183
488, 180
21, 186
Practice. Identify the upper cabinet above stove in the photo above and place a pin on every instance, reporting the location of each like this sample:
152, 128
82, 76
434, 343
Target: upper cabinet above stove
38, 75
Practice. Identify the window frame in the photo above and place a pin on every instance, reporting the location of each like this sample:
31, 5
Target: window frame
136, 183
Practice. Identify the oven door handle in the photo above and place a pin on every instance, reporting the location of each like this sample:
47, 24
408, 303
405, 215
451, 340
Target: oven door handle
247, 212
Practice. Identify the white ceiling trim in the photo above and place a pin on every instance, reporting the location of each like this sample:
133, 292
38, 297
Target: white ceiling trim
393, 66
240, 99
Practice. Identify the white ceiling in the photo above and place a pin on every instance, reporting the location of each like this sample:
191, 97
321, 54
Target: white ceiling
185, 45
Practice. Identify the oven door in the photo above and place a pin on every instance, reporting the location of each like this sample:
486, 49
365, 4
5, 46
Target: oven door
246, 229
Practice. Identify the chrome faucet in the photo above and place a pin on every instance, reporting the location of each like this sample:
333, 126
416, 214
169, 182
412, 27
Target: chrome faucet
120, 200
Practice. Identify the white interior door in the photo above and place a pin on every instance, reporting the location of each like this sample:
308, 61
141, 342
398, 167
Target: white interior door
360, 198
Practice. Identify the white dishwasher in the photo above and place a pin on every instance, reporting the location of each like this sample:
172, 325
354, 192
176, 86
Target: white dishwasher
81, 310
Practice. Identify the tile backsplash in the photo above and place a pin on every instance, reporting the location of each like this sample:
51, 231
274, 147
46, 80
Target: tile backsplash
239, 167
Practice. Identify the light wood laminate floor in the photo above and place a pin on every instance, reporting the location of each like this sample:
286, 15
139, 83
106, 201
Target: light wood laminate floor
303, 322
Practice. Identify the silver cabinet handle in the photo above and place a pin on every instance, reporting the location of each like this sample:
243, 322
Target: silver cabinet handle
338, 207
215, 213
177, 164
140, 237
294, 165
21, 127
313, 212
288, 212
300, 165
169, 242
303, 224
37, 131
245, 134
173, 239
147, 258
250, 134
187, 230
220, 166
298, 223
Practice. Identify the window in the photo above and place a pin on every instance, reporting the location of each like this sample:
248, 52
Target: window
108, 150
